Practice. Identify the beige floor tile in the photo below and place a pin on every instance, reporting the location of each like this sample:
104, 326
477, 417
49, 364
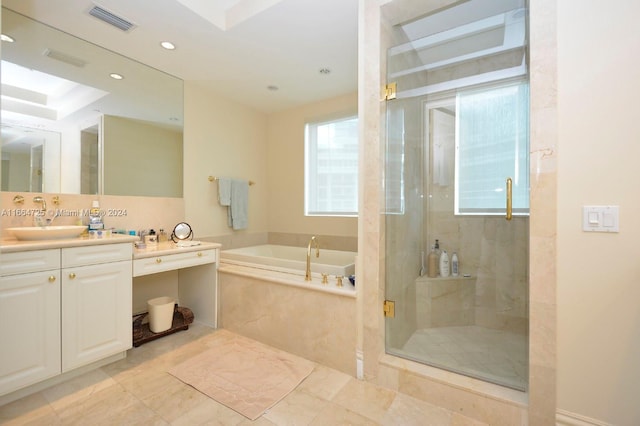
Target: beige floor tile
208, 412
324, 382
74, 390
103, 407
174, 399
260, 421
334, 414
147, 384
365, 399
139, 391
409, 411
33, 409
297, 408
460, 420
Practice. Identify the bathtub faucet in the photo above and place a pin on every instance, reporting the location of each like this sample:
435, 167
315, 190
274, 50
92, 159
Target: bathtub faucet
314, 241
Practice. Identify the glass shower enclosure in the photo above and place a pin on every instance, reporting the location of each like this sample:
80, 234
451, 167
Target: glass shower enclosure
457, 171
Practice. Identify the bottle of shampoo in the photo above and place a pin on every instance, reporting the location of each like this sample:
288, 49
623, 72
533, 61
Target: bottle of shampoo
455, 265
432, 261
444, 264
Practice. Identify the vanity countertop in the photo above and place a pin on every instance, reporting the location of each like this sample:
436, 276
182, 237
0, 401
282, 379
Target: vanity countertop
170, 247
10, 245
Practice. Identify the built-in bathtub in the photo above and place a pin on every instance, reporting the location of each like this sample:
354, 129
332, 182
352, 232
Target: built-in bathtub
274, 257
263, 294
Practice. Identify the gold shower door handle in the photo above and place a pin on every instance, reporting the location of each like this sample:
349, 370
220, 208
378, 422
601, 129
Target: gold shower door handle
509, 198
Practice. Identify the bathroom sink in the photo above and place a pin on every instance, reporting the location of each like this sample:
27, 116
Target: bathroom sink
30, 233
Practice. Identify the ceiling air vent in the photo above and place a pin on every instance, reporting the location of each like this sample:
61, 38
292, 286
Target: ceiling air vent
63, 57
110, 18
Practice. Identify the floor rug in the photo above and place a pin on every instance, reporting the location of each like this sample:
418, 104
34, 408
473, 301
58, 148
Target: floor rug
243, 374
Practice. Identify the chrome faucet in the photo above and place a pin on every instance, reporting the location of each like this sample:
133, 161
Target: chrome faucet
314, 241
39, 217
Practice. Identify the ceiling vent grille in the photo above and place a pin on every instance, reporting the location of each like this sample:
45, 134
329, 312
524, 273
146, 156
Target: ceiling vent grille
110, 18
63, 57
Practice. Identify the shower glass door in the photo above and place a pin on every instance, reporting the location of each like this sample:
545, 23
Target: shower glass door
457, 171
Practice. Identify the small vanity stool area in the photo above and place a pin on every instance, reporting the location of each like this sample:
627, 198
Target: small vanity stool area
187, 274
66, 306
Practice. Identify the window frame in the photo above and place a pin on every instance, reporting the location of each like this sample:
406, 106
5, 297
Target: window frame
518, 209
310, 167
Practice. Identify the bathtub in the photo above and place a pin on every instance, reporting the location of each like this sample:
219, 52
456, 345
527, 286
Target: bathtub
263, 295
277, 258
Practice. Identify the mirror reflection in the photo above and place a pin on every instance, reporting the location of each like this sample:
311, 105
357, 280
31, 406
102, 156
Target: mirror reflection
68, 126
30, 159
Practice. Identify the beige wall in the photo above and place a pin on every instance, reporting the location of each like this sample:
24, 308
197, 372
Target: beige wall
141, 158
285, 159
222, 138
598, 274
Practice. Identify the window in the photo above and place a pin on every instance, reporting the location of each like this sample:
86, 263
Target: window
492, 143
331, 168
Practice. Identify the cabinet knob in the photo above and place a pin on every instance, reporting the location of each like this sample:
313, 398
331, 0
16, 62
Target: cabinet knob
158, 260
199, 254
72, 275
52, 278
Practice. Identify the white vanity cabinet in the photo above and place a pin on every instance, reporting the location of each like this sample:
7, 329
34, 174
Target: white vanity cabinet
62, 308
96, 303
29, 318
197, 275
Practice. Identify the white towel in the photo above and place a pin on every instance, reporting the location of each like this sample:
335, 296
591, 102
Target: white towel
239, 208
224, 191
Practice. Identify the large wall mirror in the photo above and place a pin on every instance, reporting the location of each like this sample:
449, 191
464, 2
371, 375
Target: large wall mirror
69, 126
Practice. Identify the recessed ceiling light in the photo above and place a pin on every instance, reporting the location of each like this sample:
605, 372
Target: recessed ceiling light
116, 76
325, 71
272, 88
5, 37
168, 45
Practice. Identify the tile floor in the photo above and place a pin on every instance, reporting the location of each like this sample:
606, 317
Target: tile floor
494, 355
139, 391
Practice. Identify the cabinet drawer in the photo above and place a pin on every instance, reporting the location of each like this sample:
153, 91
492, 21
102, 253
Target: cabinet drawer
90, 255
29, 261
152, 265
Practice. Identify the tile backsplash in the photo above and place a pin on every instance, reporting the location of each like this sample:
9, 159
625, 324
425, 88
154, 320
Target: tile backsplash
120, 212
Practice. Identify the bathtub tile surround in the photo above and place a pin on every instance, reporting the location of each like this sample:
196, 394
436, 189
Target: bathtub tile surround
329, 242
121, 212
239, 240
316, 325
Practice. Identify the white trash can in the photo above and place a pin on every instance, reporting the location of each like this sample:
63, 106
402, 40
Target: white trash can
160, 313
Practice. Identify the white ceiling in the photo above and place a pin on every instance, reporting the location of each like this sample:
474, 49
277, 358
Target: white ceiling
235, 47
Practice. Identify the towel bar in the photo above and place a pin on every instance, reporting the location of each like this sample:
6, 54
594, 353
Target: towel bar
212, 178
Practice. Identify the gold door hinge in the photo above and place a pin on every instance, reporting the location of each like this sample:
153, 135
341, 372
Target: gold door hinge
390, 91
389, 308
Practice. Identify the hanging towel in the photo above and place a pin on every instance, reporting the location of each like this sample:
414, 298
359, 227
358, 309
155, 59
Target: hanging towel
239, 208
224, 191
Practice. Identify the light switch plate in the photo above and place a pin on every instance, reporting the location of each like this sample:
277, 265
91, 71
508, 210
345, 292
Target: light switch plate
600, 218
